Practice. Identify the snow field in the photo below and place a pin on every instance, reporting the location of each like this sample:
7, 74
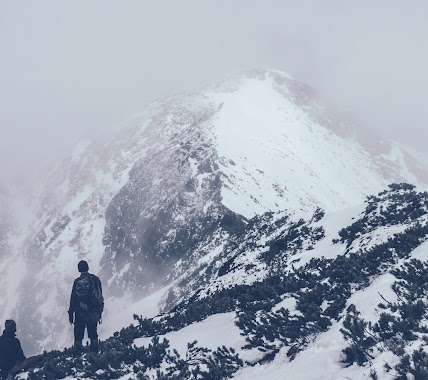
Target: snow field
213, 332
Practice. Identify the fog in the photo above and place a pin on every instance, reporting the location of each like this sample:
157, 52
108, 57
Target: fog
81, 68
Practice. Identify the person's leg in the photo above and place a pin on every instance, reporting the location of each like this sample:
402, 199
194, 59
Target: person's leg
25, 364
93, 335
79, 331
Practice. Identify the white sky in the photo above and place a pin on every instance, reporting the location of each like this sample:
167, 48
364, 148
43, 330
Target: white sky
80, 68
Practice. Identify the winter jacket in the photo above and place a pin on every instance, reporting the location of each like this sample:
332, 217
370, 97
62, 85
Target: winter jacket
10, 351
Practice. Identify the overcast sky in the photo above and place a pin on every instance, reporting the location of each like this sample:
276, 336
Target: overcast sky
81, 67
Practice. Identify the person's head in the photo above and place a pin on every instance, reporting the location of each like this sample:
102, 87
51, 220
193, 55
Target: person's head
83, 266
10, 325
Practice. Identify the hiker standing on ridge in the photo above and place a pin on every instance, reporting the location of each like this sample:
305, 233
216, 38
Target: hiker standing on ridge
12, 358
86, 306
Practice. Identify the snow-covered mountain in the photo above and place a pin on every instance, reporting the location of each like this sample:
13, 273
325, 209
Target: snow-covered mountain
202, 192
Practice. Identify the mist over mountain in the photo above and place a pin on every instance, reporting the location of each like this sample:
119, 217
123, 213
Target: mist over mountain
245, 187
5, 222
61, 82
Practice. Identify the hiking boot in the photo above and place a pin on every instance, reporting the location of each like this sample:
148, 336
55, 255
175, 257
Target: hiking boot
94, 345
78, 345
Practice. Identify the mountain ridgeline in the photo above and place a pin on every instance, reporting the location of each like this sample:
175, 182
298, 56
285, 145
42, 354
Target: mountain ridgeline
247, 202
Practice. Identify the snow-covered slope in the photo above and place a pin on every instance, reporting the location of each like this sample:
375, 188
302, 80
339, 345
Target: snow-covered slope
280, 154
171, 191
359, 312
349, 304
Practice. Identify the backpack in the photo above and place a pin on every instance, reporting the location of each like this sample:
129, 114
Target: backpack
89, 293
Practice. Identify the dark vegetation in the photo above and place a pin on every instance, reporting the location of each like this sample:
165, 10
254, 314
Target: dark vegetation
119, 356
401, 324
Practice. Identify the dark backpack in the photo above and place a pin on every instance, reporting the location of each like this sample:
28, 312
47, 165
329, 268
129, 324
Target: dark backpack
89, 293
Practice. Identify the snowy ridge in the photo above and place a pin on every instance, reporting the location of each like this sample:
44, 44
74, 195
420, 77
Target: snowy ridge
361, 312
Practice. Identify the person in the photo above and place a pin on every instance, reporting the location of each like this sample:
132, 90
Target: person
86, 307
12, 358
10, 348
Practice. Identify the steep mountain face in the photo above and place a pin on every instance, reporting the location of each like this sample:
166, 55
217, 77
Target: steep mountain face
216, 183
170, 202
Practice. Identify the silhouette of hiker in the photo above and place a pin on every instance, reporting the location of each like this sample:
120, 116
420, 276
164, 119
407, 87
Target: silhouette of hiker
12, 358
86, 306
